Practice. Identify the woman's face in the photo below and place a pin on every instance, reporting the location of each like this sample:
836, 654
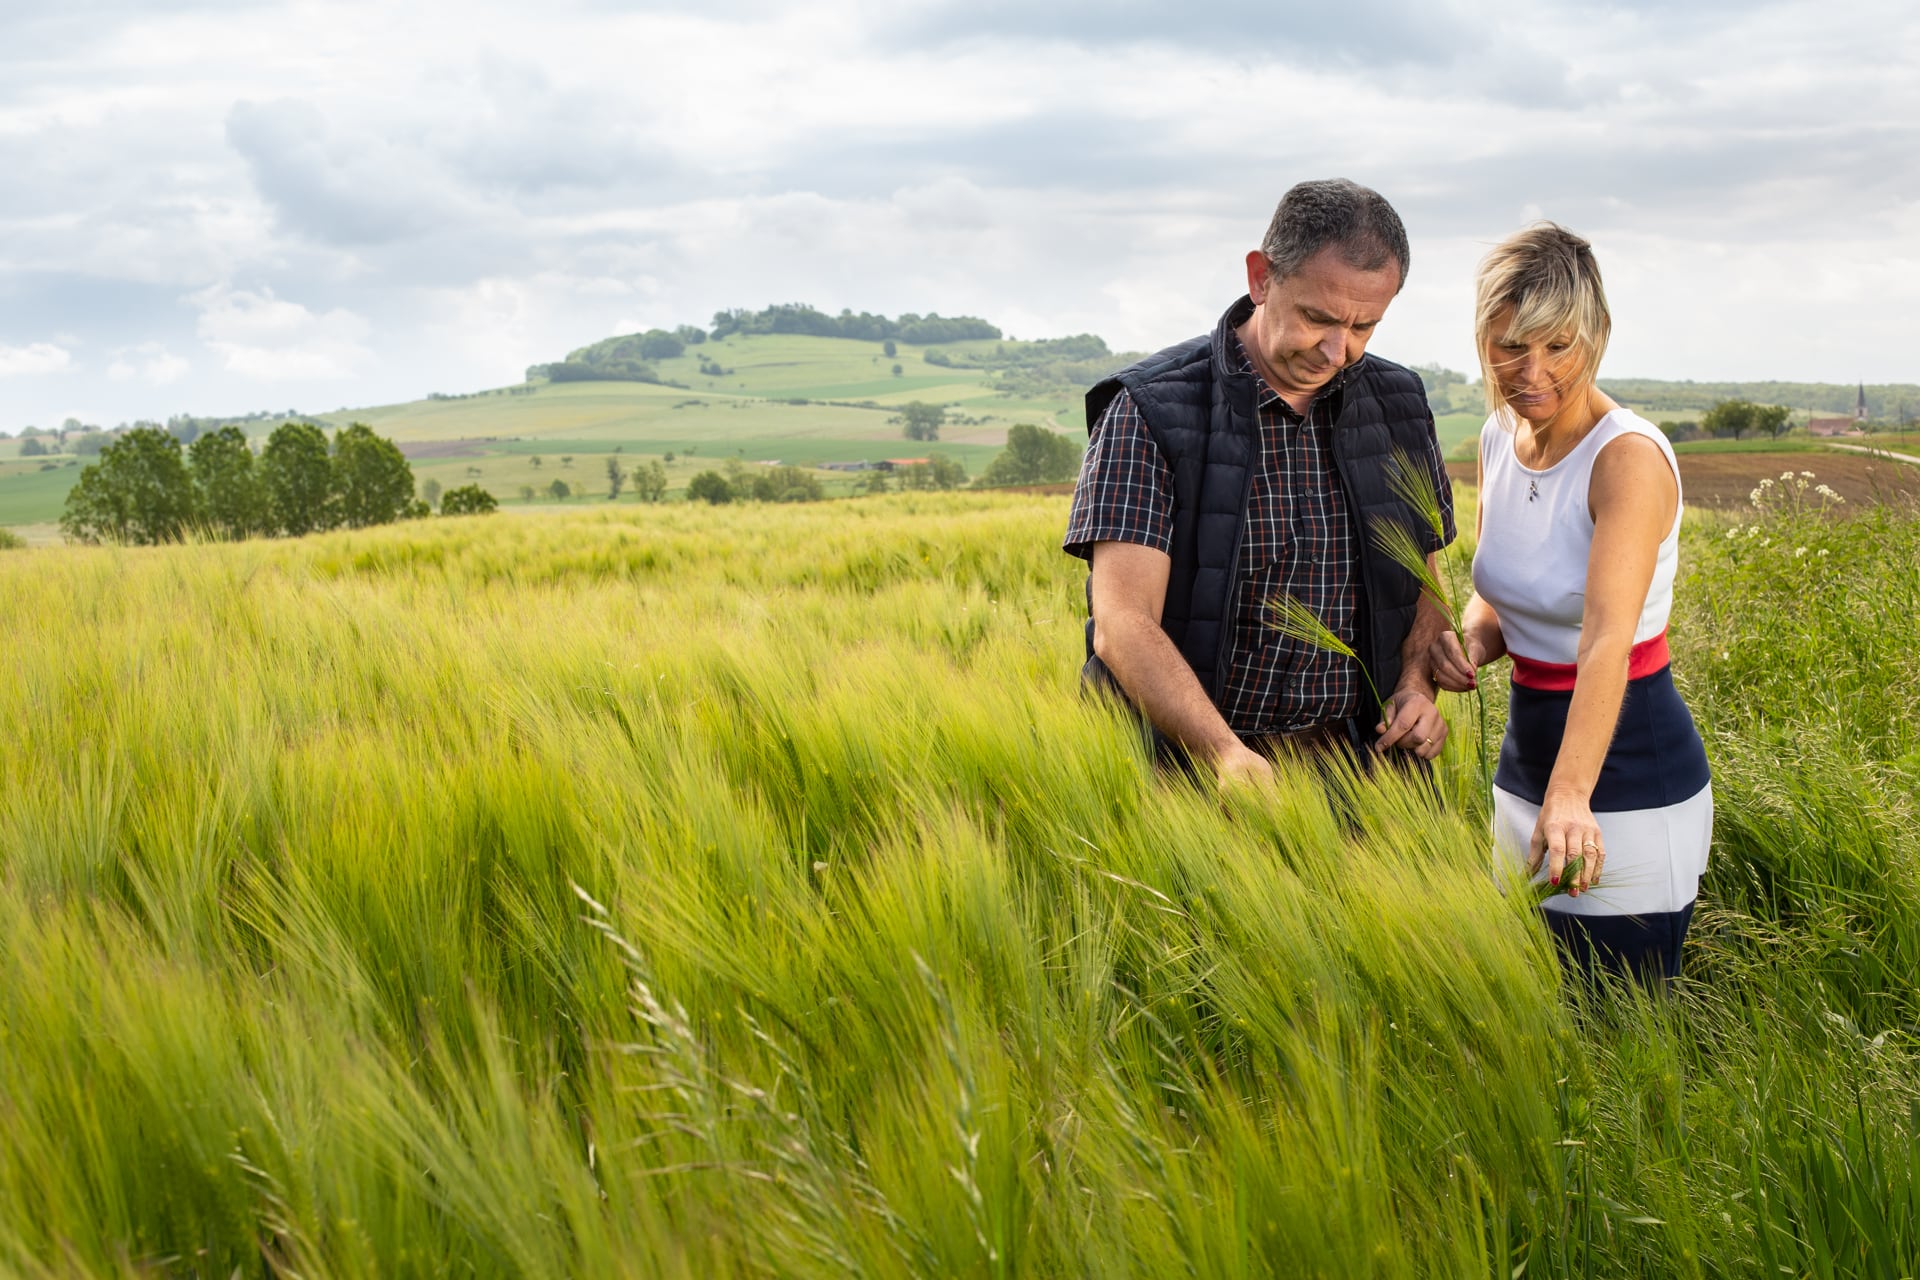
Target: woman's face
1537, 377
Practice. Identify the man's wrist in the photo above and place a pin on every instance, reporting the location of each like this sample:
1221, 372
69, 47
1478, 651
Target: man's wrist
1417, 683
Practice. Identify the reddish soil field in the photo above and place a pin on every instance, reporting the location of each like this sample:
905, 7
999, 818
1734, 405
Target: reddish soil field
1726, 480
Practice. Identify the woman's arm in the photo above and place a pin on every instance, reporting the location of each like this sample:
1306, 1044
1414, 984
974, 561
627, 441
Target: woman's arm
1634, 499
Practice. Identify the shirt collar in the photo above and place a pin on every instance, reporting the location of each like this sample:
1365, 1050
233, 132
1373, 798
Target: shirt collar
1266, 398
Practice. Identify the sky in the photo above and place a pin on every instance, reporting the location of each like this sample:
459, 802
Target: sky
222, 207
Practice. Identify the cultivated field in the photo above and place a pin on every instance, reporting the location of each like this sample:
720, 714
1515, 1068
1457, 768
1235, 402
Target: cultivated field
707, 892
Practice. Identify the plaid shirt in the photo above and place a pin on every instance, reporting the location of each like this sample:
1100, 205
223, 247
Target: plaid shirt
1299, 541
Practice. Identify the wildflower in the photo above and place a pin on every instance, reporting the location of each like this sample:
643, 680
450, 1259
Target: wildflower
1798, 552
1754, 497
1724, 655
1823, 553
1786, 475
1807, 474
1734, 532
1766, 482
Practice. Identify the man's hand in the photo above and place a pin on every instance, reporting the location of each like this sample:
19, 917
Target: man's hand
1413, 724
1240, 765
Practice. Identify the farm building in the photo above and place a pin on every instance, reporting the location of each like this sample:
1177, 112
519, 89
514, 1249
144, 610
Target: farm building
1832, 427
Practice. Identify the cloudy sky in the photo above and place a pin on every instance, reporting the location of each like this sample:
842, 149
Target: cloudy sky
221, 207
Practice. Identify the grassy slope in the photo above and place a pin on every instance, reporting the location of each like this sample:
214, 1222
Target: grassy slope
929, 975
743, 415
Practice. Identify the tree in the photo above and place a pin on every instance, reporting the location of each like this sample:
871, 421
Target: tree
371, 476
468, 500
297, 477
896, 371
30, 447
1729, 418
227, 484
1771, 418
889, 348
526, 493
1032, 456
566, 460
535, 461
650, 481
922, 421
709, 486
787, 484
139, 492
616, 478
430, 490
559, 491
658, 344
937, 472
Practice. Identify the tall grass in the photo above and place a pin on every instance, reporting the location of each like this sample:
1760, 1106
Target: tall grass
750, 893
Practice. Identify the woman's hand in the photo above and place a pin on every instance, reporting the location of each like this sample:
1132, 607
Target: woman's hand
1567, 834
1453, 667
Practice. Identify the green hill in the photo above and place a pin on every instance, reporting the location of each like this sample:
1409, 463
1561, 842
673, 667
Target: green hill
795, 385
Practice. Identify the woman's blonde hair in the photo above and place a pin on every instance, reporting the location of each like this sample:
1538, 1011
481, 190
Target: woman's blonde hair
1548, 276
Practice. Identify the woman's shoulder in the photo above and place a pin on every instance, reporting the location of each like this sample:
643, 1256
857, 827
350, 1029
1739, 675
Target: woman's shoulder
1622, 421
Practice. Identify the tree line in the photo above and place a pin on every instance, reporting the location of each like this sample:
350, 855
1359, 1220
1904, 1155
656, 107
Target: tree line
798, 317
146, 488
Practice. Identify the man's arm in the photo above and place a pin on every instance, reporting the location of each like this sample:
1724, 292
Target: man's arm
1129, 592
1417, 724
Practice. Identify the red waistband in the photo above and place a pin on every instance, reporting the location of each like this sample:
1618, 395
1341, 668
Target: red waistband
1643, 659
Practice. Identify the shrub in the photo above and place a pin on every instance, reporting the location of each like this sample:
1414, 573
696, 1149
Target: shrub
709, 486
470, 500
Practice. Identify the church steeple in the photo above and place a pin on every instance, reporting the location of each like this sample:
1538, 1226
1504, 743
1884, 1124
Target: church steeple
1860, 405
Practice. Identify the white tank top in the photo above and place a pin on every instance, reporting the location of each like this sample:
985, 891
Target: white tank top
1536, 533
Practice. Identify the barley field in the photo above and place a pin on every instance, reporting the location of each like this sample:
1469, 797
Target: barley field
713, 892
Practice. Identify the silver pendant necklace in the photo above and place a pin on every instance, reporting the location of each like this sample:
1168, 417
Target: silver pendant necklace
1533, 490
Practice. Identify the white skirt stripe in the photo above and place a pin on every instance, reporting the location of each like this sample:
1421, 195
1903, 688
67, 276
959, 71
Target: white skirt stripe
1655, 857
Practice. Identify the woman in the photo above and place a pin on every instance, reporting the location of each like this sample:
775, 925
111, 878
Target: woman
1602, 776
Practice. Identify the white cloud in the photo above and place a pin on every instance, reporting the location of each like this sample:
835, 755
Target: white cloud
465, 187
258, 335
37, 357
149, 362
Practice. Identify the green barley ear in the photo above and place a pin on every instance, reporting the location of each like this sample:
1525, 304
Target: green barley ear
1399, 545
1412, 485
1297, 622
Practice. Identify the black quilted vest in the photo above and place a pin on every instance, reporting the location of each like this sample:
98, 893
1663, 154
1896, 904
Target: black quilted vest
1201, 415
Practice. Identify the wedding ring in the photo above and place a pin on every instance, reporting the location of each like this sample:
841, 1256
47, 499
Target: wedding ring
1425, 741
1588, 844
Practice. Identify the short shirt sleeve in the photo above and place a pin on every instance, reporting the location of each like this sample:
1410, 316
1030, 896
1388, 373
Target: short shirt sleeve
1125, 491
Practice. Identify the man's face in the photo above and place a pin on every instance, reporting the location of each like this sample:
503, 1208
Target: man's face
1317, 321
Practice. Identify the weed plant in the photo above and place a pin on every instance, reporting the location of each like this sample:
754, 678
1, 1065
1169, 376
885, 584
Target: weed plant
750, 892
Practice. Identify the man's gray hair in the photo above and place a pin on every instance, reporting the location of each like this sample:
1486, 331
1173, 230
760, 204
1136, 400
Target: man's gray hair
1339, 213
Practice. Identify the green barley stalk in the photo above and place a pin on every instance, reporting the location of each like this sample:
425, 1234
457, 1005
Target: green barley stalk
1409, 482
1297, 622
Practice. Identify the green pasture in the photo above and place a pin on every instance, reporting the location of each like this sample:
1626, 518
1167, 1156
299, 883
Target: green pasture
30, 495
769, 371
1754, 444
688, 891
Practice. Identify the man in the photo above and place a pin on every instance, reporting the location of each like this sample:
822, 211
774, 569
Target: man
1239, 468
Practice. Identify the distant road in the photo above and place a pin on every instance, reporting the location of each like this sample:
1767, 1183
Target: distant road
1878, 453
